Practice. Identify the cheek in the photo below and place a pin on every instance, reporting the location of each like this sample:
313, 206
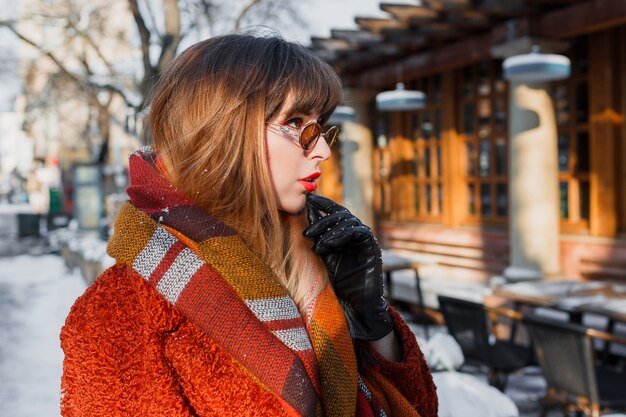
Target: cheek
283, 164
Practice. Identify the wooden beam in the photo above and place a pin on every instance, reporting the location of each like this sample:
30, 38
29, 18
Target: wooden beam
577, 19
376, 25
431, 61
406, 12
583, 17
356, 37
602, 135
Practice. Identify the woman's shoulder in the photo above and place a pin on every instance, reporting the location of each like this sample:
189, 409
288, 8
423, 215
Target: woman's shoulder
120, 297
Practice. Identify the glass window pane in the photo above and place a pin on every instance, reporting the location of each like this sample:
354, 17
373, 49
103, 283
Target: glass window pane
582, 103
563, 152
485, 200
500, 112
417, 162
415, 125
436, 88
417, 199
582, 152
468, 115
584, 200
501, 200
428, 198
427, 160
439, 197
427, 127
439, 161
468, 82
484, 159
471, 198
484, 117
563, 200
500, 156
561, 104
471, 160
499, 85
437, 131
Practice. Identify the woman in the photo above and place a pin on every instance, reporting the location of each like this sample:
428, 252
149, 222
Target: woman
224, 299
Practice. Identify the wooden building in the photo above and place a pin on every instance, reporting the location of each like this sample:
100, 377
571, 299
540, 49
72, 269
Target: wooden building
486, 184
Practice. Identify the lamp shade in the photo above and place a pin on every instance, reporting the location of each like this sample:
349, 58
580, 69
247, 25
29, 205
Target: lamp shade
536, 67
341, 115
400, 99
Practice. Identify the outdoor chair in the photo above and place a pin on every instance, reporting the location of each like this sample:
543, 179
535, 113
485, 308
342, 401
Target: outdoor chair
575, 380
469, 324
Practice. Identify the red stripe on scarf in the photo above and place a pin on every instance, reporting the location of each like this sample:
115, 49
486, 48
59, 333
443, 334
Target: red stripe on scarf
166, 263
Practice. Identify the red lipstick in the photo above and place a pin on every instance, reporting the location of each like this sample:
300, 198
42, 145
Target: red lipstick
309, 183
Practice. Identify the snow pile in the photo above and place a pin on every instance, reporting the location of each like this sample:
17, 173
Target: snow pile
462, 394
35, 297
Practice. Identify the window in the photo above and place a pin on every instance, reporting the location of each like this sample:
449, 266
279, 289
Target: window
483, 125
408, 159
571, 107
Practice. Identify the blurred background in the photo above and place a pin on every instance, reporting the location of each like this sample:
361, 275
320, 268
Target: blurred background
484, 141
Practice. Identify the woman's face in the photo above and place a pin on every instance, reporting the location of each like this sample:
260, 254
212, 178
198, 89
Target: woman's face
293, 170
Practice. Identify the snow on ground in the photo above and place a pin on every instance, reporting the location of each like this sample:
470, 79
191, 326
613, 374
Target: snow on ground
36, 294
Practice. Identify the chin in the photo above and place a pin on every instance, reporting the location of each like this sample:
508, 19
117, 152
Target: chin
293, 206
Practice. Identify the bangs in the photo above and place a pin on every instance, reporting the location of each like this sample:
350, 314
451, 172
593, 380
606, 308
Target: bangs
315, 85
316, 91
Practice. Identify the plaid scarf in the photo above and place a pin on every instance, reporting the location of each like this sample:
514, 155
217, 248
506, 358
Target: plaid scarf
205, 270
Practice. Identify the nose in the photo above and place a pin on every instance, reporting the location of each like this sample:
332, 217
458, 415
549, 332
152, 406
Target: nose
321, 150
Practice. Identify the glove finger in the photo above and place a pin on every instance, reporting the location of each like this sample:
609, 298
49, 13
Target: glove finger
331, 221
313, 215
324, 204
350, 236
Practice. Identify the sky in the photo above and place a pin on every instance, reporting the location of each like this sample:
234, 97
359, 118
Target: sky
321, 16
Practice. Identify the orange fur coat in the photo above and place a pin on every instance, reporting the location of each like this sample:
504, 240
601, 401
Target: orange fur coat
128, 352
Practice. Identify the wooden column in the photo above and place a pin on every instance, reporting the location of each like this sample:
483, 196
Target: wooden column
533, 187
603, 83
356, 157
621, 52
455, 199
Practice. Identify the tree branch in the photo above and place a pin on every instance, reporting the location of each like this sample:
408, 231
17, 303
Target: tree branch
144, 34
244, 12
171, 37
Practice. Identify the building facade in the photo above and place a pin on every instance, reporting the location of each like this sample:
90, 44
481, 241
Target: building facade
493, 177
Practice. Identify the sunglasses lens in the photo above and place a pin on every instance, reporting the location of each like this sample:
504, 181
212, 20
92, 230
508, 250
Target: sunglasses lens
309, 135
331, 135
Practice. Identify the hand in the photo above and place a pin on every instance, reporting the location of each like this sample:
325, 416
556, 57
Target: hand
353, 261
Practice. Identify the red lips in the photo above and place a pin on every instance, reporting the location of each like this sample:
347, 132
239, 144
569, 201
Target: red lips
309, 183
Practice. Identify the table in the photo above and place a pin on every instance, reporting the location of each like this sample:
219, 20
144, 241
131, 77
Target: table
396, 262
573, 297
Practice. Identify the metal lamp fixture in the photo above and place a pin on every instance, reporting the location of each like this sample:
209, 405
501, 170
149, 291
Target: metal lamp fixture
400, 99
341, 115
536, 67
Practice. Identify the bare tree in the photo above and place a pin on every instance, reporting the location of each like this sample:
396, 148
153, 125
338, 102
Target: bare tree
85, 61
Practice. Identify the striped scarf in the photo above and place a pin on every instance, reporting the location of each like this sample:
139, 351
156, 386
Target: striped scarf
205, 270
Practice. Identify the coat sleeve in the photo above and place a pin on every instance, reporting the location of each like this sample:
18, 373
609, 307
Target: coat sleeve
411, 375
114, 362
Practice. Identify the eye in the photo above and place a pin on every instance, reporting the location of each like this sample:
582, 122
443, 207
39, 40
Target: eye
295, 122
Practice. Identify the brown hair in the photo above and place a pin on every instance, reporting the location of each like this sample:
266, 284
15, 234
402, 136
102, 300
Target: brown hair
208, 121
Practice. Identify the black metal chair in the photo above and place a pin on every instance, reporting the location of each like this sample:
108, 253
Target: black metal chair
470, 326
575, 380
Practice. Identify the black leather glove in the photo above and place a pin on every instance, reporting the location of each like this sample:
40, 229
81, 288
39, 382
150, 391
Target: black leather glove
353, 261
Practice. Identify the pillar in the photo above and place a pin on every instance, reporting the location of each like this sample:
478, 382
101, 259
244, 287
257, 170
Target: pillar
356, 156
534, 221
533, 183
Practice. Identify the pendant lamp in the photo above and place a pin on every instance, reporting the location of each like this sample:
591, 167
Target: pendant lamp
536, 67
341, 115
400, 99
